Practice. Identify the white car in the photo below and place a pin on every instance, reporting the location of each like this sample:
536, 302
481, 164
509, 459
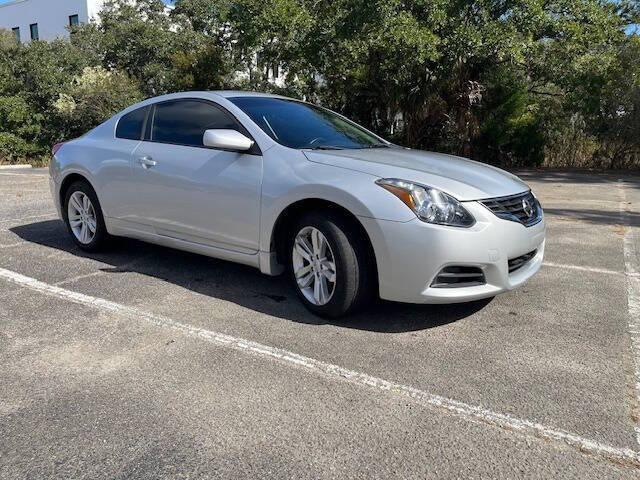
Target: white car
284, 185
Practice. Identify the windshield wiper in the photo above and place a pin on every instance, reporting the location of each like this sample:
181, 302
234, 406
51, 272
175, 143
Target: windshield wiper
324, 147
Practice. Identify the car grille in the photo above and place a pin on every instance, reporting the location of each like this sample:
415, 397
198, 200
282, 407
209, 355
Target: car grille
519, 262
522, 208
459, 276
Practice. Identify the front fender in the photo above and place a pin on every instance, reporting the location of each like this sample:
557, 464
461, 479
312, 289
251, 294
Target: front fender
354, 191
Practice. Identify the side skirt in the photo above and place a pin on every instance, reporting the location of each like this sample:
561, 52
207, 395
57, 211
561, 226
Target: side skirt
146, 233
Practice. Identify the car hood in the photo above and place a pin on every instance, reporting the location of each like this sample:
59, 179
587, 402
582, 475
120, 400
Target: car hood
462, 178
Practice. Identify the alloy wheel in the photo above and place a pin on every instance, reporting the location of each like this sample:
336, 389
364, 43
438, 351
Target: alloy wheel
314, 266
82, 217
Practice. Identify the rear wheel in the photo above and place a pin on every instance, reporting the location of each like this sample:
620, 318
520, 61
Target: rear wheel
83, 216
329, 264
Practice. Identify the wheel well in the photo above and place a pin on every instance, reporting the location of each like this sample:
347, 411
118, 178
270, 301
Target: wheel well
67, 182
289, 215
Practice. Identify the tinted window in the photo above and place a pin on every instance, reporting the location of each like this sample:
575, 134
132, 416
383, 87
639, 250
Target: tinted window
300, 125
34, 31
130, 125
184, 122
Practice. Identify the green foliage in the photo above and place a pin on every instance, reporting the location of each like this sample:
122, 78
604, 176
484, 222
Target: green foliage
50, 92
136, 37
516, 83
20, 128
91, 98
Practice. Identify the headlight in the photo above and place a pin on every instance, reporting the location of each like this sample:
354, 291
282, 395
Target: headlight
429, 204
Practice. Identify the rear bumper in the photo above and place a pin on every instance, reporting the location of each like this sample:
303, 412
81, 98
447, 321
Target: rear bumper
54, 185
410, 254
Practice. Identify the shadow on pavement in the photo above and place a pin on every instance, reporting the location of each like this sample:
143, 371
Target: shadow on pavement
602, 217
242, 285
565, 178
579, 177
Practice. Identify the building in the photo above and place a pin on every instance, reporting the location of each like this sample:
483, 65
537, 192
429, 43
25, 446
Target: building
46, 19
51, 19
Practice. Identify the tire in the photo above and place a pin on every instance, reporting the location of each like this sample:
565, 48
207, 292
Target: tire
75, 194
352, 270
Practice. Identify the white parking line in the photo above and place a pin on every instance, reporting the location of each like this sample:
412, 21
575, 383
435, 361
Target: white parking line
120, 269
27, 176
474, 413
19, 166
21, 189
633, 293
582, 268
3, 222
12, 245
51, 216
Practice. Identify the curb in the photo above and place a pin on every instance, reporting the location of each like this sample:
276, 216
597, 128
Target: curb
10, 167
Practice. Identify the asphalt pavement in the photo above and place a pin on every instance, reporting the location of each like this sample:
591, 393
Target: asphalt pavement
146, 362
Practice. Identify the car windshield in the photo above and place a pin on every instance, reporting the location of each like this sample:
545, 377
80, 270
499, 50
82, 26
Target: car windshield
301, 125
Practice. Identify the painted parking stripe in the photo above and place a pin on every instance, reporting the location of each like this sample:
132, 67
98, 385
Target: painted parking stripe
120, 269
12, 245
633, 295
583, 268
50, 216
23, 175
474, 413
21, 189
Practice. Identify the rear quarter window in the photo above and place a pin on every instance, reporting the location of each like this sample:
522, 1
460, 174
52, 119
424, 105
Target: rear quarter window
130, 125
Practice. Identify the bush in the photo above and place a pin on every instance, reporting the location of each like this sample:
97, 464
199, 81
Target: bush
91, 98
569, 145
19, 129
49, 92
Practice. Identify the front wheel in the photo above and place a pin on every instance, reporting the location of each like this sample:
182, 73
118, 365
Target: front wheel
329, 264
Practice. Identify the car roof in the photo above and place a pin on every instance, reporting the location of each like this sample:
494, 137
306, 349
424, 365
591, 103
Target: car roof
242, 93
210, 94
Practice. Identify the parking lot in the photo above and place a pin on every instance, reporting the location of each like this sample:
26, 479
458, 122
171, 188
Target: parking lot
147, 362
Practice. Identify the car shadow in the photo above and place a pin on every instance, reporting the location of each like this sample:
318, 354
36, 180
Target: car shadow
566, 177
594, 216
242, 285
606, 179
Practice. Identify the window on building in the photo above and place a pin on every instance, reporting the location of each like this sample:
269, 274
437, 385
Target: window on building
16, 32
74, 20
34, 31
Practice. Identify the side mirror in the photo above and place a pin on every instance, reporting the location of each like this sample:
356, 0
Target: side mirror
226, 140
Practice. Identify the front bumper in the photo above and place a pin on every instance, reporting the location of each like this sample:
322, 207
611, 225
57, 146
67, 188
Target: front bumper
410, 254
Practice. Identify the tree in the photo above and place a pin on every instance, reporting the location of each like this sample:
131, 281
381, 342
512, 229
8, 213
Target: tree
617, 121
31, 78
136, 38
91, 98
518, 82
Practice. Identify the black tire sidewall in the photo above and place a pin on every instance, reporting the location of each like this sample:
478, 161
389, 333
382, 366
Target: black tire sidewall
101, 234
347, 258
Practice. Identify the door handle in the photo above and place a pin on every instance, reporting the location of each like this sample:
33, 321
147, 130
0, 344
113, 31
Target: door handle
147, 162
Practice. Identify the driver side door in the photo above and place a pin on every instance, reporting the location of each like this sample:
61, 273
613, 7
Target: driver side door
194, 193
